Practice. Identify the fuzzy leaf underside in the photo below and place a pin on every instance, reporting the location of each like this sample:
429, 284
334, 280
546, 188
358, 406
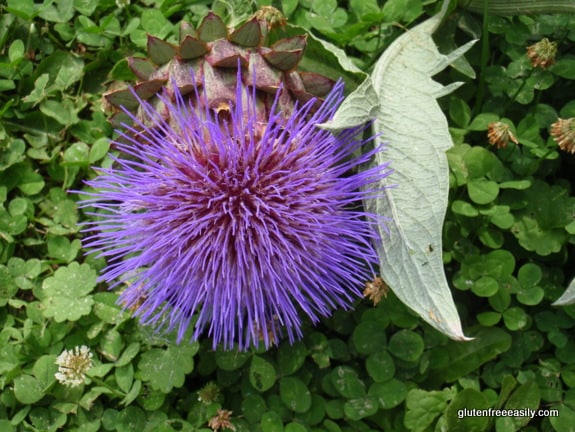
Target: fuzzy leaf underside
568, 296
358, 108
416, 131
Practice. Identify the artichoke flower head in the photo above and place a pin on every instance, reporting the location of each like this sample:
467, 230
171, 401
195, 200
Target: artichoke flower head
228, 212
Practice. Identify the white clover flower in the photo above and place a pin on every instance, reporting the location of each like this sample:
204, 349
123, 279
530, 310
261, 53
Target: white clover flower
122, 3
74, 364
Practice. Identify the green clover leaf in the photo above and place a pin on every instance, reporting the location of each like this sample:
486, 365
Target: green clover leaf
66, 293
166, 369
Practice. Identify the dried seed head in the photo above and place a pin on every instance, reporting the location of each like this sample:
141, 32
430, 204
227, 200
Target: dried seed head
563, 132
375, 290
221, 421
542, 54
272, 16
266, 336
499, 134
73, 365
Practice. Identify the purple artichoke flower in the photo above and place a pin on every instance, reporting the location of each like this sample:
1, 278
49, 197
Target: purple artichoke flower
234, 225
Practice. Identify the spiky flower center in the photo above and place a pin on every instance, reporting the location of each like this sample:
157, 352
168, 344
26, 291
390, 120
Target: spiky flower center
242, 189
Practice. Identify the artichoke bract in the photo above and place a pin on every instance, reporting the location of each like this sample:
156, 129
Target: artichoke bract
228, 212
209, 57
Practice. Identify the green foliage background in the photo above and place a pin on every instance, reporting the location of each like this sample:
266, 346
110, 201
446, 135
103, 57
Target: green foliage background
508, 242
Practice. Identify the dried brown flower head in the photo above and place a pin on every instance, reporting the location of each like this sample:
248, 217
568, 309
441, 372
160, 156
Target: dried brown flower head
221, 421
563, 132
375, 290
272, 16
542, 54
499, 134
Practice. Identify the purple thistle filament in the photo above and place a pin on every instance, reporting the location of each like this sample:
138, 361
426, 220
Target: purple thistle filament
235, 225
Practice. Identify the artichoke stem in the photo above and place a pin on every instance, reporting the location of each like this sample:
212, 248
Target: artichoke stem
519, 7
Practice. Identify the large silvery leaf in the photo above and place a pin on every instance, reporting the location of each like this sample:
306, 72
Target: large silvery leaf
568, 296
413, 125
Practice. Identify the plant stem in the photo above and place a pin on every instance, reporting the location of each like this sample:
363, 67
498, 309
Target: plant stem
519, 7
542, 158
512, 98
484, 60
103, 383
